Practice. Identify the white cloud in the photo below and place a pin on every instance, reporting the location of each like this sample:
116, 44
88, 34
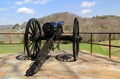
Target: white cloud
85, 11
42, 2
22, 2
3, 9
25, 10
87, 4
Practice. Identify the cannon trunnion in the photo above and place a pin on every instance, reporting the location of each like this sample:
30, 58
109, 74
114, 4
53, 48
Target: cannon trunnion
52, 31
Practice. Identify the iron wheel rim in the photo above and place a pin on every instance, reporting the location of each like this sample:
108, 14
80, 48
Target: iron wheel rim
75, 40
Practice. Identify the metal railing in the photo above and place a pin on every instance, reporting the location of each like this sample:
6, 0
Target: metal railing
109, 39
91, 39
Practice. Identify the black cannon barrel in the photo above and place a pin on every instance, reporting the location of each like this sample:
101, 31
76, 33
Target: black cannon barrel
66, 37
56, 24
51, 28
62, 37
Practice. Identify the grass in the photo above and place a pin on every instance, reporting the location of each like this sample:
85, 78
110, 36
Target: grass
17, 48
115, 51
96, 48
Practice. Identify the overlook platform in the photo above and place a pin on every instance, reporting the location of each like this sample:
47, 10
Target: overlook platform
87, 67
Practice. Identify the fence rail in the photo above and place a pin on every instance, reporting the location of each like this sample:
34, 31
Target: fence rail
12, 33
109, 38
91, 39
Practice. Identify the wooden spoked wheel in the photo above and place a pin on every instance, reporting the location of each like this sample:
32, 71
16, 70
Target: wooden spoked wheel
75, 39
31, 41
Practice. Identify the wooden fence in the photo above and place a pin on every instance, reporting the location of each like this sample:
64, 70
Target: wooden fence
13, 34
91, 39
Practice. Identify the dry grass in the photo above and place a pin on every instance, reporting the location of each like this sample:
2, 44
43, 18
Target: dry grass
115, 51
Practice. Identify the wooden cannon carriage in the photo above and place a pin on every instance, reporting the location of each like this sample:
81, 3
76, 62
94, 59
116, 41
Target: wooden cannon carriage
53, 31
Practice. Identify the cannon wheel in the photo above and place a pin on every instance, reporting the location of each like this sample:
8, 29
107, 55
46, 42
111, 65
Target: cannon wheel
75, 39
31, 41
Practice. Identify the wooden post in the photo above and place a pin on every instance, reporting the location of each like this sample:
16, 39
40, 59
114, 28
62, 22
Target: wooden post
110, 46
91, 45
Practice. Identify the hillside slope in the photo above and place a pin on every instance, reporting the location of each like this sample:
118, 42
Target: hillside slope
106, 23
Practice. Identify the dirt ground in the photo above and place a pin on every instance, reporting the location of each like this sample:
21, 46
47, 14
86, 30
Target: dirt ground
12, 66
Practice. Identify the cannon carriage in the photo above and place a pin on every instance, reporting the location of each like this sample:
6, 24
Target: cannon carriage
52, 31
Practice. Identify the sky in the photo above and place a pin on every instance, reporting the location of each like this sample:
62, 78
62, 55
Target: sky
19, 11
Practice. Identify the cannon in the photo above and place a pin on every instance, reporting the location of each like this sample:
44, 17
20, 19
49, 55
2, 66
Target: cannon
52, 31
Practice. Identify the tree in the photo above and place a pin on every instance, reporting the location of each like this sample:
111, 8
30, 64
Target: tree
15, 27
67, 27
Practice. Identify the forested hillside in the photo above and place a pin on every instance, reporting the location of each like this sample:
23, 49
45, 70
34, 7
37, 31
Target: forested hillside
107, 23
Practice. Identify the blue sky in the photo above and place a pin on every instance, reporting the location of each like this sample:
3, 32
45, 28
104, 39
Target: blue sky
19, 11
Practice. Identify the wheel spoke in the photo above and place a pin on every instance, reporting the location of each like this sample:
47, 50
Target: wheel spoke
30, 44
30, 33
31, 29
36, 28
38, 47
31, 49
33, 25
34, 49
